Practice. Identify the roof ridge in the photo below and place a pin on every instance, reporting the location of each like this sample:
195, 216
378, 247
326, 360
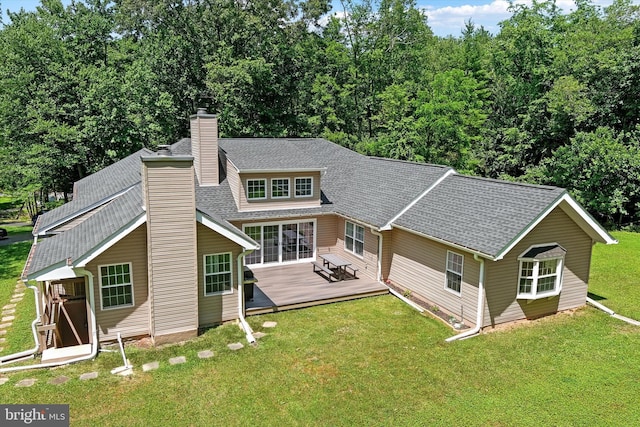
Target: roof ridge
411, 162
503, 181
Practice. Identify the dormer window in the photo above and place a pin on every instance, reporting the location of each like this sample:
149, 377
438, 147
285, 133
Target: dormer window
280, 188
304, 187
256, 189
541, 271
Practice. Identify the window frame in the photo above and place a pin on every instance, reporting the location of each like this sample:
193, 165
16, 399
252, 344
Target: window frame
295, 185
536, 263
288, 192
205, 274
354, 238
450, 270
102, 287
248, 184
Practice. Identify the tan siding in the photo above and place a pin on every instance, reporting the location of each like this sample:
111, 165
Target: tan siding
502, 276
367, 264
216, 309
170, 201
419, 264
204, 144
387, 253
233, 179
269, 203
130, 321
327, 233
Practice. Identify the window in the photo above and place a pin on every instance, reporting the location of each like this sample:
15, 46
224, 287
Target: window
354, 238
217, 273
304, 187
256, 189
280, 188
541, 271
116, 288
454, 271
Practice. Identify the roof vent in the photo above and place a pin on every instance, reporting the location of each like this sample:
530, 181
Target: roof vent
164, 150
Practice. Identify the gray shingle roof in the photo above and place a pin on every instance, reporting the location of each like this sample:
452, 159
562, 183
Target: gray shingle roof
96, 188
480, 214
89, 234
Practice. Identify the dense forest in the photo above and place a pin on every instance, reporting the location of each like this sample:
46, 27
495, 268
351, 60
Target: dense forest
552, 98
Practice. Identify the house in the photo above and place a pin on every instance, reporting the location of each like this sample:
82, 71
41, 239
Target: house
157, 244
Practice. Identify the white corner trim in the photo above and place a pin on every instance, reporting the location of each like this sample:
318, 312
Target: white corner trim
87, 209
110, 241
224, 231
589, 220
388, 225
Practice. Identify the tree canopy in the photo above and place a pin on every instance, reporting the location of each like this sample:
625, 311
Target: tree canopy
552, 98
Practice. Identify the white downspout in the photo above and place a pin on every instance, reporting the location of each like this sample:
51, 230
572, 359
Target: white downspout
94, 334
24, 354
247, 329
480, 314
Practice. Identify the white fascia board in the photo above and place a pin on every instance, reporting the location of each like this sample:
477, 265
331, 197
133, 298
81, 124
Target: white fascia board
389, 224
208, 222
444, 242
55, 272
81, 212
110, 241
291, 170
590, 226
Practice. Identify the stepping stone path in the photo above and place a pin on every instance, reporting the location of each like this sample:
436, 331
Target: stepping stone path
258, 335
150, 366
3, 380
26, 383
235, 346
177, 360
89, 376
205, 354
8, 311
60, 380
269, 324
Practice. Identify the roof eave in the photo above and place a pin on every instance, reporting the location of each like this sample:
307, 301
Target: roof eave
235, 237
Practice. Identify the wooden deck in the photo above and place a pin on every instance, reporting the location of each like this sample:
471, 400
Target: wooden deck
289, 287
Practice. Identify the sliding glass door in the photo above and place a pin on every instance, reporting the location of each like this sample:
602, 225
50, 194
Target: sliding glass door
282, 242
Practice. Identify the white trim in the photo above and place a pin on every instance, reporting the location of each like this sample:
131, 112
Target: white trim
447, 270
584, 215
119, 306
557, 287
296, 221
204, 275
84, 259
54, 272
243, 241
355, 232
246, 189
295, 170
295, 186
288, 196
76, 214
388, 225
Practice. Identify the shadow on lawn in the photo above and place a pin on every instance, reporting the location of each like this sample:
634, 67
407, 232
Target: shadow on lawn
595, 297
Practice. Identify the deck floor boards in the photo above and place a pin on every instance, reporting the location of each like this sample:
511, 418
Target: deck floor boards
293, 286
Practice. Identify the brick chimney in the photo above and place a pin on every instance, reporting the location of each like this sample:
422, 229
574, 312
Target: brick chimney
169, 193
204, 147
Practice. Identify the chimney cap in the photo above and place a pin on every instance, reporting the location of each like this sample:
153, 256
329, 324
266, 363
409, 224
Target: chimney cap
164, 150
202, 112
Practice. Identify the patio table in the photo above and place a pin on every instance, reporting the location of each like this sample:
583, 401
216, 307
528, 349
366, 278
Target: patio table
337, 261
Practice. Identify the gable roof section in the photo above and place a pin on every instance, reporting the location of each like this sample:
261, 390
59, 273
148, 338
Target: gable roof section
88, 236
490, 217
94, 191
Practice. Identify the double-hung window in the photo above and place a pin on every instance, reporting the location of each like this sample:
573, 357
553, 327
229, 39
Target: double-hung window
354, 238
455, 263
280, 188
217, 273
256, 189
541, 271
116, 286
304, 187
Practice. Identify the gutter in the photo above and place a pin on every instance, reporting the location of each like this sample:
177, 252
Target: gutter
94, 335
480, 312
245, 326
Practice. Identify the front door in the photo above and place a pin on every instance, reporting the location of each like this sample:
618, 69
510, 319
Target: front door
283, 242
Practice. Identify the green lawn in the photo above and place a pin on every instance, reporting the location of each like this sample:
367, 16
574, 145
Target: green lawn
371, 362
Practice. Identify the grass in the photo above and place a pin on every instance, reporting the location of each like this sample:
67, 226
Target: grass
370, 362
